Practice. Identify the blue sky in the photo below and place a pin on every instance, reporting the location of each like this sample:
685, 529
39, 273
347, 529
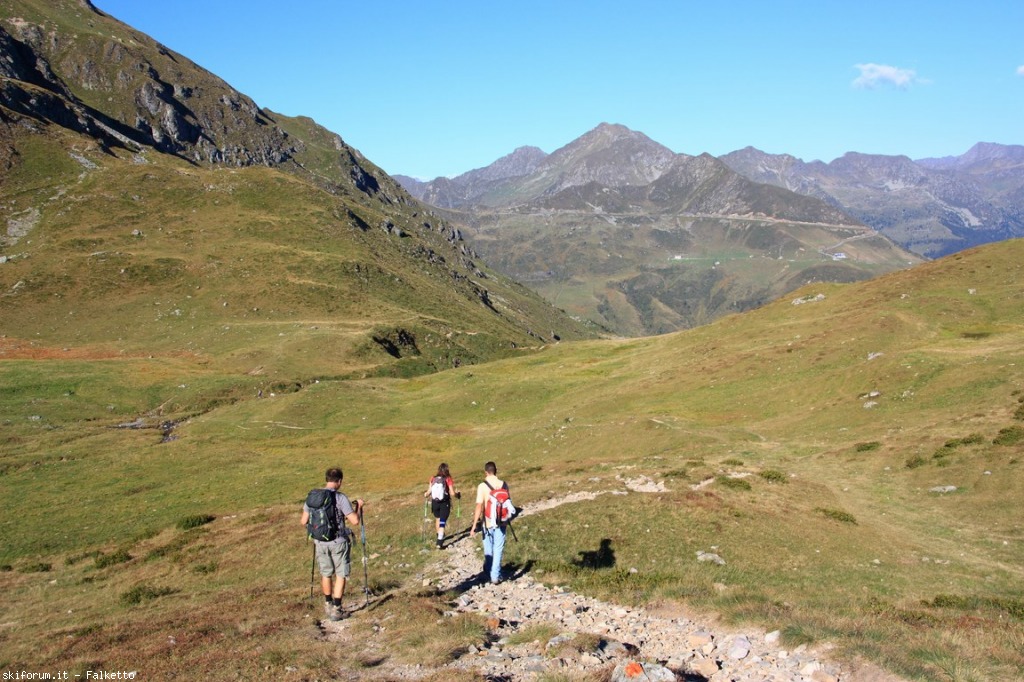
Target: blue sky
438, 88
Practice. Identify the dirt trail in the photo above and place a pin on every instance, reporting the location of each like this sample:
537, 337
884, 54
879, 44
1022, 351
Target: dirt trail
691, 650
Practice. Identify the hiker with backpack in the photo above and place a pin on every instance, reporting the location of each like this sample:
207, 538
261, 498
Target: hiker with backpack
440, 491
324, 515
494, 508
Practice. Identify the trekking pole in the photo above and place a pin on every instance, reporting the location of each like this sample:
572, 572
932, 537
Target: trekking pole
312, 566
423, 525
366, 570
458, 514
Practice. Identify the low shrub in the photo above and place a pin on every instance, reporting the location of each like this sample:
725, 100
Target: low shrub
1013, 607
141, 593
39, 567
733, 483
836, 515
1011, 435
774, 476
170, 548
195, 521
733, 462
867, 447
119, 557
75, 558
915, 461
973, 439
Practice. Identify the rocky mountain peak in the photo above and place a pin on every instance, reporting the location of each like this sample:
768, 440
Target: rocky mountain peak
988, 153
523, 161
610, 154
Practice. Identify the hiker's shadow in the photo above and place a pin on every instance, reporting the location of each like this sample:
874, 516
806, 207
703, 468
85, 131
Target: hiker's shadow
602, 557
515, 571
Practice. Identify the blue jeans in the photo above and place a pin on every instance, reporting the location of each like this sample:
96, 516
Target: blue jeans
494, 546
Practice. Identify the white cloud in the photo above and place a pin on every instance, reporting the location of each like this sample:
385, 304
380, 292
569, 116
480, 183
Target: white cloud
873, 75
1020, 70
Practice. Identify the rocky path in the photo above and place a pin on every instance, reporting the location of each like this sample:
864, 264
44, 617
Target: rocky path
633, 642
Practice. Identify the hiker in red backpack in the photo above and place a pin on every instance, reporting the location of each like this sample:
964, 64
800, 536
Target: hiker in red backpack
440, 491
495, 509
324, 515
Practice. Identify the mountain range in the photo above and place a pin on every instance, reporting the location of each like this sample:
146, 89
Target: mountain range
619, 230
933, 207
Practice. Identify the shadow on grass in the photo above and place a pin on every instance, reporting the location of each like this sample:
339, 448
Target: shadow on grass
602, 557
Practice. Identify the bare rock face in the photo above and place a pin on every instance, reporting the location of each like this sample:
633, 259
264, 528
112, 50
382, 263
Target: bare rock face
153, 98
125, 90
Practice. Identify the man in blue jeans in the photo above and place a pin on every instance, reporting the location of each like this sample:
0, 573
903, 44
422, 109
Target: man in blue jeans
493, 530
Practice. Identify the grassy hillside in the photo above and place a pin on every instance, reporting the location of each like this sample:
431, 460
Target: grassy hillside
641, 274
818, 429
163, 256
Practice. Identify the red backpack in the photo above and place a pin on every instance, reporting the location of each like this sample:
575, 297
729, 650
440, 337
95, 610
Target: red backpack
498, 507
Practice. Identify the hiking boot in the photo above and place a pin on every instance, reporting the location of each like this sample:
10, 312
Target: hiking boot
337, 613
328, 609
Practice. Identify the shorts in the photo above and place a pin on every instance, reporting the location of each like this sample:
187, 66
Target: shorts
334, 558
441, 509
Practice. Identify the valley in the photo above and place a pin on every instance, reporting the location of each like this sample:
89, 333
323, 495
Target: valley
204, 304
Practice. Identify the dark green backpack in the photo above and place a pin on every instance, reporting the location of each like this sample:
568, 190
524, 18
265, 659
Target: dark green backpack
323, 514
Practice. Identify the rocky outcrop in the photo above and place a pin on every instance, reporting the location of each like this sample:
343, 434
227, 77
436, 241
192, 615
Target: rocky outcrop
123, 89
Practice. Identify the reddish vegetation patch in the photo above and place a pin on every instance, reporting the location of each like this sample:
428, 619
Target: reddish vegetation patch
20, 349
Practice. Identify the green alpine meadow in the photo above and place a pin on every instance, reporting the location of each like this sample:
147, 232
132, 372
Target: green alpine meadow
205, 304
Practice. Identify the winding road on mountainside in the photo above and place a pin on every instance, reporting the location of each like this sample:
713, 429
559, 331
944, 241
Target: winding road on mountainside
668, 642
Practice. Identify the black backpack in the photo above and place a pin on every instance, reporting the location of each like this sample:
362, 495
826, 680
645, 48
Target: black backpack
323, 515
